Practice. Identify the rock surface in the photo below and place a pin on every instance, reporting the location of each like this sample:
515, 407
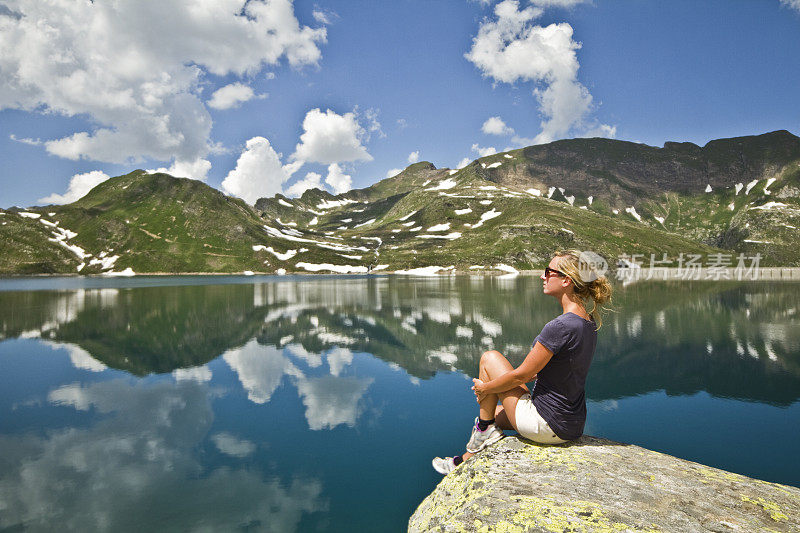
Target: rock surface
599, 485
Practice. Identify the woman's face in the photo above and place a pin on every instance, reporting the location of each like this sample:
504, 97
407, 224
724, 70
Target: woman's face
554, 283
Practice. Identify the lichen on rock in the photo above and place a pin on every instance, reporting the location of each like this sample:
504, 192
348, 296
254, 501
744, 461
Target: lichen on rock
599, 485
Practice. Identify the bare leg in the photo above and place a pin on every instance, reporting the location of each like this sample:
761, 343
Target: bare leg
493, 365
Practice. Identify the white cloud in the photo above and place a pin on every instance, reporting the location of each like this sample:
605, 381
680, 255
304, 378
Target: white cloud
82, 359
393, 172
558, 3
496, 126
601, 130
794, 4
30, 142
321, 17
79, 185
338, 358
232, 95
511, 48
199, 374
331, 401
144, 445
484, 151
337, 179
413, 157
331, 138
373, 125
230, 445
197, 169
260, 369
258, 173
311, 181
135, 68
464, 162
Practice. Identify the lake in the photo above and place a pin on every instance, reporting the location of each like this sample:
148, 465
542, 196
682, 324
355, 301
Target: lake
316, 403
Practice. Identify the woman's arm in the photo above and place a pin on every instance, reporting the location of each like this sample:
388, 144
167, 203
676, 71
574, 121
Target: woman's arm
536, 360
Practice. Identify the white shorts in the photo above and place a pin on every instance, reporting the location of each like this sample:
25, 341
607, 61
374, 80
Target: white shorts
531, 425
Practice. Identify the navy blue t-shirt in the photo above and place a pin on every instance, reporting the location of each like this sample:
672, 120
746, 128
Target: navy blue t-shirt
559, 393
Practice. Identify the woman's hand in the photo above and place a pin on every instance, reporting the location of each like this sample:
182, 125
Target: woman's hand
479, 387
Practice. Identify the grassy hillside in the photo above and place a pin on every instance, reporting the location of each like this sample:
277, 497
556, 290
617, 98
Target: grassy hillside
617, 198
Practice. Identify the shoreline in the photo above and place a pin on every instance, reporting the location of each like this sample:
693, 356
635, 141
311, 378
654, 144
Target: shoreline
625, 276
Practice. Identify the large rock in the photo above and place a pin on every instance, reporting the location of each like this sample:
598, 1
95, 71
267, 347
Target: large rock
599, 485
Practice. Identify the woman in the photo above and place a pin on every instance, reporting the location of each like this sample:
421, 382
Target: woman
559, 361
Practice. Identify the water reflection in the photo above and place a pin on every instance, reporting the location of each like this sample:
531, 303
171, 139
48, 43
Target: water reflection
732, 340
244, 406
139, 454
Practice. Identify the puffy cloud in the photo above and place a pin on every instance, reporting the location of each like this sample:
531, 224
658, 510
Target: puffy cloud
338, 358
331, 138
484, 151
413, 157
311, 181
197, 169
79, 185
331, 401
260, 369
337, 179
601, 130
794, 4
200, 374
82, 359
496, 126
232, 95
558, 3
393, 172
464, 162
144, 445
511, 48
230, 445
134, 68
258, 173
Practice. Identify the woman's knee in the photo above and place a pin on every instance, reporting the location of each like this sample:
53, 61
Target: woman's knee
491, 356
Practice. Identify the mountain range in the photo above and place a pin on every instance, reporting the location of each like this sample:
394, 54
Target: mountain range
501, 213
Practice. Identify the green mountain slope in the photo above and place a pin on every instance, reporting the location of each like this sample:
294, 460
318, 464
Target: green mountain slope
506, 210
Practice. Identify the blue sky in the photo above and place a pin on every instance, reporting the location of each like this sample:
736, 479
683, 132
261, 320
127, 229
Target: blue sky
262, 97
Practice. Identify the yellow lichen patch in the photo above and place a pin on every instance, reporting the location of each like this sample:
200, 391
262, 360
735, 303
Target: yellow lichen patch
718, 474
557, 455
575, 516
771, 507
774, 486
435, 509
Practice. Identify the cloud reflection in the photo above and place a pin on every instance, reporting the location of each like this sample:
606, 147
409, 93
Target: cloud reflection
135, 469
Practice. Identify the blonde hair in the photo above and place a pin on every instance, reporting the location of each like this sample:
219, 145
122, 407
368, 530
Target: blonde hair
597, 288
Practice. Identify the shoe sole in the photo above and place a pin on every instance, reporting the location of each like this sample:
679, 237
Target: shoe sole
433, 463
487, 443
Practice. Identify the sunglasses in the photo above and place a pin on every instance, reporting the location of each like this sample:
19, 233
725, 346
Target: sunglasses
548, 271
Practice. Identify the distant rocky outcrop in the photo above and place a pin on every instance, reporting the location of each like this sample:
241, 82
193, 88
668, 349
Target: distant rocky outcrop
598, 485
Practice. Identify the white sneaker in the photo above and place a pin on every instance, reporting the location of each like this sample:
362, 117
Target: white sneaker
443, 465
481, 439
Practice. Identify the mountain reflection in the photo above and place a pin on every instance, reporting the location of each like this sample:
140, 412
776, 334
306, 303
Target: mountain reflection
732, 340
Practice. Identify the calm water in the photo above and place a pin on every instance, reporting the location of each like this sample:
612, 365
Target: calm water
311, 404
